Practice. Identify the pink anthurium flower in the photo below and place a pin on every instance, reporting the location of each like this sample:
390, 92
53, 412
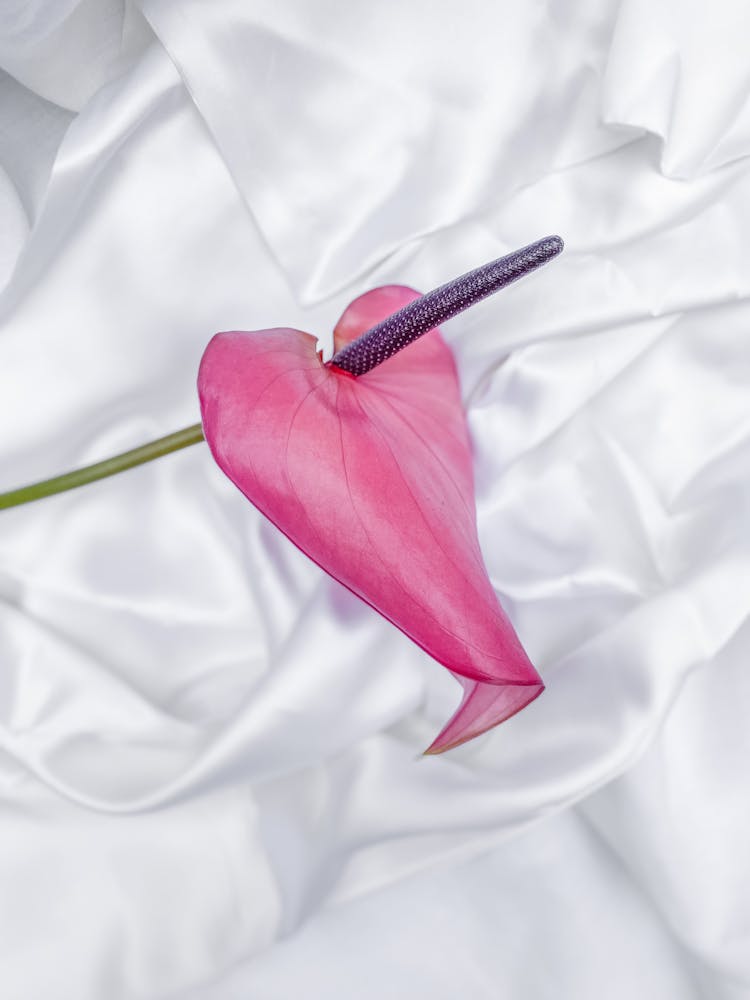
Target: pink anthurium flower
365, 464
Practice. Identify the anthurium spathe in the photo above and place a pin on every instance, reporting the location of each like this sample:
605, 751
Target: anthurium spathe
365, 464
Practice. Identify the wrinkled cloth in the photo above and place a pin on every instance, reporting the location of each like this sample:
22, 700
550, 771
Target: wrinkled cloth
210, 781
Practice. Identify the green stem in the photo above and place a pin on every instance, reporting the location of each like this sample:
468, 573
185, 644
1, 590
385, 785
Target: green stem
100, 470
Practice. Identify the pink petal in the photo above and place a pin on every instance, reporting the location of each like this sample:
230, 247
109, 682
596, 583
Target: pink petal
372, 478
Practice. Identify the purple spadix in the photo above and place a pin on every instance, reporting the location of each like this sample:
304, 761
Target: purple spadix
425, 313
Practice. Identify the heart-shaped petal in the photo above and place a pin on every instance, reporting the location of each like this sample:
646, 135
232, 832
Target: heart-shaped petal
372, 478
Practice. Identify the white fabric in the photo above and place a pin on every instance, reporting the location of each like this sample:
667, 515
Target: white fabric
210, 781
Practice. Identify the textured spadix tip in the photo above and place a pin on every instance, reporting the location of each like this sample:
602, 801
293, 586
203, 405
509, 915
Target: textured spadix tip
427, 312
555, 244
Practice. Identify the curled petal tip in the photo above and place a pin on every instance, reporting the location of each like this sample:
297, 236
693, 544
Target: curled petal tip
483, 707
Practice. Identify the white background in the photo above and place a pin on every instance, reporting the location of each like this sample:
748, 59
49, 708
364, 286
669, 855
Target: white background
210, 776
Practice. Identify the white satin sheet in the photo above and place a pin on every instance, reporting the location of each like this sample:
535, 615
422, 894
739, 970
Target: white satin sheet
210, 781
